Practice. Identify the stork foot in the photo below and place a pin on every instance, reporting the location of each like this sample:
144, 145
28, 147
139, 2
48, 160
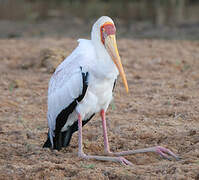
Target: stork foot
164, 152
119, 159
124, 161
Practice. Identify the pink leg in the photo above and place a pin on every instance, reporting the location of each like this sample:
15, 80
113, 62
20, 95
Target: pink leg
102, 158
157, 149
163, 152
106, 143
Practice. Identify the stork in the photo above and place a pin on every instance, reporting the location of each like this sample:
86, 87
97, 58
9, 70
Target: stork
81, 86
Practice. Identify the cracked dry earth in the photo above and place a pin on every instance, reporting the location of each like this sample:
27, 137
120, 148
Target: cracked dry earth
162, 108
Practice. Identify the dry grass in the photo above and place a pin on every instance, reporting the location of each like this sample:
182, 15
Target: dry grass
161, 109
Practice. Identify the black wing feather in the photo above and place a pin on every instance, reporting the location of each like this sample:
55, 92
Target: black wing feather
62, 139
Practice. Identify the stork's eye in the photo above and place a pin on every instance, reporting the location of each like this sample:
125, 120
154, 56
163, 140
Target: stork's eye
103, 32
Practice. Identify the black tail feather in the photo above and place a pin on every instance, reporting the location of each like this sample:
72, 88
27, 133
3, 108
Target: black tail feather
47, 144
66, 137
57, 141
62, 139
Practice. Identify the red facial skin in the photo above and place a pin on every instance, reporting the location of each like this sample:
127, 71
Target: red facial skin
106, 30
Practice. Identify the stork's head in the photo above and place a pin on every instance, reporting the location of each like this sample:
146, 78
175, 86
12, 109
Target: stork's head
103, 32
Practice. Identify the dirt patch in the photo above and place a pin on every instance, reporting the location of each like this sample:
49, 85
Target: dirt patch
160, 109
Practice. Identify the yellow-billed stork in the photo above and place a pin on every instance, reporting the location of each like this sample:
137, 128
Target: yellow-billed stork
81, 86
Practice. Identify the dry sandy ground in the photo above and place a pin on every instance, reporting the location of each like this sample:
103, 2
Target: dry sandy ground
162, 108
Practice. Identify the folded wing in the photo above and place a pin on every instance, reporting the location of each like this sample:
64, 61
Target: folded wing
66, 84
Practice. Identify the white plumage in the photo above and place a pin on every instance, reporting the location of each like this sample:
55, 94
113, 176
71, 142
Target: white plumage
66, 83
81, 86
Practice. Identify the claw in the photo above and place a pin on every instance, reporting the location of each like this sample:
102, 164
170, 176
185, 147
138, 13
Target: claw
163, 153
124, 161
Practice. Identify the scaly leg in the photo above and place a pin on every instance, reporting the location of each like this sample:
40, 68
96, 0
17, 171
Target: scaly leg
157, 149
106, 143
102, 158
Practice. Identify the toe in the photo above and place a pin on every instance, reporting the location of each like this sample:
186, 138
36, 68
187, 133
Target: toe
164, 151
124, 161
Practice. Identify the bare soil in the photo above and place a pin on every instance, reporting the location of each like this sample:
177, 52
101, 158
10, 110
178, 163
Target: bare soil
162, 108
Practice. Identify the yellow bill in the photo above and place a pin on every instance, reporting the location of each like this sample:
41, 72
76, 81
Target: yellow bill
111, 46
